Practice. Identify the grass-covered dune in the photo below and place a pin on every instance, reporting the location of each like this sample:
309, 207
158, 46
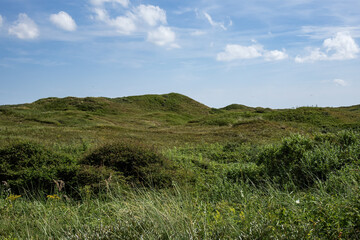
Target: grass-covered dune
169, 167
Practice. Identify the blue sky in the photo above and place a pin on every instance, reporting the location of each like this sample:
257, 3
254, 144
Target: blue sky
269, 53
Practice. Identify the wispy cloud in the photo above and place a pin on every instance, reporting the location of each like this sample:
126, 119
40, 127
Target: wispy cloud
64, 21
213, 23
323, 32
340, 47
197, 33
24, 28
1, 21
124, 3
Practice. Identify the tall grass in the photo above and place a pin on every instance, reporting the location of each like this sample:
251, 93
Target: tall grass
246, 213
304, 187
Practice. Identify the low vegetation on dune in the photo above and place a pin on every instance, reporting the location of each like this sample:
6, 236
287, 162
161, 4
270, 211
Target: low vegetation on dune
168, 167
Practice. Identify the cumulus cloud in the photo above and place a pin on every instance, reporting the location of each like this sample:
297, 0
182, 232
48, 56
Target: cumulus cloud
143, 19
213, 23
152, 15
235, 52
64, 21
315, 55
124, 3
275, 55
101, 14
136, 18
162, 36
24, 28
340, 82
124, 24
340, 47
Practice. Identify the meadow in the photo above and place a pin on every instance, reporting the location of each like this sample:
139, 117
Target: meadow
168, 167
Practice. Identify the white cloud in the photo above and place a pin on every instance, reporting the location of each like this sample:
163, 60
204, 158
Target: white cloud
213, 23
1, 21
275, 55
340, 82
124, 24
152, 15
124, 3
162, 36
315, 55
234, 52
143, 19
101, 14
340, 47
343, 46
24, 28
63, 21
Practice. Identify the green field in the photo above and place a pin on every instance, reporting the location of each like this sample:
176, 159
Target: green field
168, 167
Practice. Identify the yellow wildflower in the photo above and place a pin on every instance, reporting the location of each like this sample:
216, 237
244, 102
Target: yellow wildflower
53, 197
13, 197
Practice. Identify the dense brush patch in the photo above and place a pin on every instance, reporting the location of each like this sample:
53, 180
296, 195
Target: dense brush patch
137, 162
70, 103
303, 160
30, 166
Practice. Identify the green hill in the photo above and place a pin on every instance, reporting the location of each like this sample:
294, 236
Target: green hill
165, 119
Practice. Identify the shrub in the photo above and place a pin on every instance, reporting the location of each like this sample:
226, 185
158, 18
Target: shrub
137, 162
30, 166
245, 172
348, 138
284, 161
303, 161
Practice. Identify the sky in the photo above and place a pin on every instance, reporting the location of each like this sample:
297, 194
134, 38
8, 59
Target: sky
268, 53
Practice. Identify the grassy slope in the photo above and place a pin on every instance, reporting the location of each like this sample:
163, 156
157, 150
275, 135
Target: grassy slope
170, 119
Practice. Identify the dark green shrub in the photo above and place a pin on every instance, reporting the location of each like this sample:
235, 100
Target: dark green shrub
245, 172
136, 162
30, 166
284, 161
348, 138
303, 161
95, 179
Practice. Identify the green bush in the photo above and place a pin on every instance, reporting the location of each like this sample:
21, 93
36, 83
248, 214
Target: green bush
136, 162
245, 172
303, 161
96, 180
30, 166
